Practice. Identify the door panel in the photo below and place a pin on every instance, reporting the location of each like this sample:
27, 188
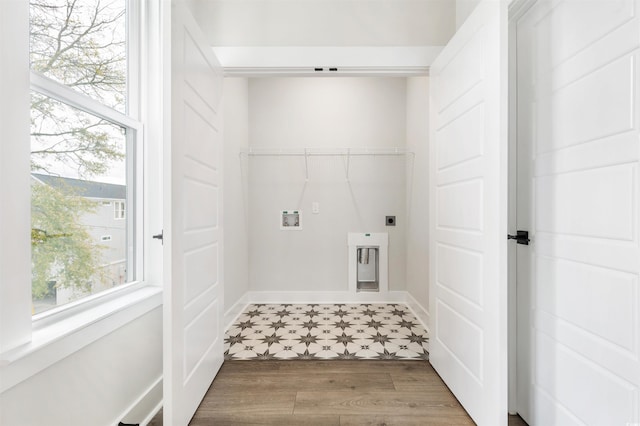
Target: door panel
193, 235
578, 147
468, 203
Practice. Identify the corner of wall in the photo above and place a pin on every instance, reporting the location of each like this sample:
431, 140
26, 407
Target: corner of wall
421, 313
235, 195
232, 314
464, 8
417, 259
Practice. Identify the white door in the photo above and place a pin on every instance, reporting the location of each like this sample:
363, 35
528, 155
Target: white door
468, 294
579, 148
193, 330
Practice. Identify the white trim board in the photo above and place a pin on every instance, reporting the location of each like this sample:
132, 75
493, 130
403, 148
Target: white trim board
232, 314
145, 407
52, 344
325, 297
393, 60
419, 311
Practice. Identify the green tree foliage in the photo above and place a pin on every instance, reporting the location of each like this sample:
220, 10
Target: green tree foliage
61, 246
81, 44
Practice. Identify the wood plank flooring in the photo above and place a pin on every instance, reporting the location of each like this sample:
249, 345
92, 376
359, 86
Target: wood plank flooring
325, 393
329, 393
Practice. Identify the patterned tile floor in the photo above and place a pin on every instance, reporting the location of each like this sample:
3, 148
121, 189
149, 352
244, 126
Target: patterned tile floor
322, 331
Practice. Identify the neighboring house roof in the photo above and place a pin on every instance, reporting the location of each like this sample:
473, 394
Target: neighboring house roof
85, 188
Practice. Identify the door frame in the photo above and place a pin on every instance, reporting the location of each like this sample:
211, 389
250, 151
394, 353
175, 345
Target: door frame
517, 8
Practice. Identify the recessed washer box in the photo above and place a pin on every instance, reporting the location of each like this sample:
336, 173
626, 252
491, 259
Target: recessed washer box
290, 220
361, 276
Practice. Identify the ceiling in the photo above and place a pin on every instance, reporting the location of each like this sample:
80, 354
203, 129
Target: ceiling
326, 22
354, 34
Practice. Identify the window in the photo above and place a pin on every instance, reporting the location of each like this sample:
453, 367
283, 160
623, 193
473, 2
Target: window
82, 44
118, 210
83, 148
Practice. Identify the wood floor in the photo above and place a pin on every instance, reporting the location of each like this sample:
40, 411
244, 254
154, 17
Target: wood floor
328, 393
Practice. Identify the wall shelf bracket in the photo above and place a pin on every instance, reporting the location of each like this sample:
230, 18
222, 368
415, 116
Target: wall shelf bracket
348, 162
347, 153
306, 164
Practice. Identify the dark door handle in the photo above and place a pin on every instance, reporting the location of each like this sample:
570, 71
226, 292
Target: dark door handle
160, 236
521, 237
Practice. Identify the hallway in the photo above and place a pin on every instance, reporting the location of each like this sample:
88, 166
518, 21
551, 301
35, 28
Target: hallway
329, 393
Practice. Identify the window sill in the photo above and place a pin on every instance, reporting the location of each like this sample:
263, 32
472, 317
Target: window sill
53, 341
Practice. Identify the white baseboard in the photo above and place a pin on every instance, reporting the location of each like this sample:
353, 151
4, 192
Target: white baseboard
419, 311
145, 407
325, 297
152, 414
233, 312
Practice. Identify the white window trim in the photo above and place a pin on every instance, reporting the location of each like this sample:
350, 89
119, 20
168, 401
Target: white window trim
134, 143
67, 95
15, 262
57, 336
134, 135
30, 344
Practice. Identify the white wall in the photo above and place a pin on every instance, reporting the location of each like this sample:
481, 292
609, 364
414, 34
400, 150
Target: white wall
463, 10
96, 385
418, 190
324, 112
236, 238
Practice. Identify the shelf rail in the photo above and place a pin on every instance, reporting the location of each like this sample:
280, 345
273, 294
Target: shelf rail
325, 152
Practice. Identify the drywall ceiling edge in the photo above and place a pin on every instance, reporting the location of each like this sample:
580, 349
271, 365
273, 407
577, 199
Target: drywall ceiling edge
245, 60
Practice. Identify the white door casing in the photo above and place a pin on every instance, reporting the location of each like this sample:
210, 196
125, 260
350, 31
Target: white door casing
193, 330
578, 148
468, 198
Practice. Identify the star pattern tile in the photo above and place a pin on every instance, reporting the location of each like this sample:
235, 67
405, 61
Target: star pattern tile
326, 331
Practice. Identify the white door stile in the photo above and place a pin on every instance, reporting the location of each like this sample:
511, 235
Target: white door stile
193, 289
468, 198
579, 189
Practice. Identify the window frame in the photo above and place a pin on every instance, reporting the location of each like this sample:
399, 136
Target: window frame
15, 178
135, 191
29, 344
119, 210
134, 137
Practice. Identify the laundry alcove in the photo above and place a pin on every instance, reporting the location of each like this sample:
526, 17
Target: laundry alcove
346, 152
